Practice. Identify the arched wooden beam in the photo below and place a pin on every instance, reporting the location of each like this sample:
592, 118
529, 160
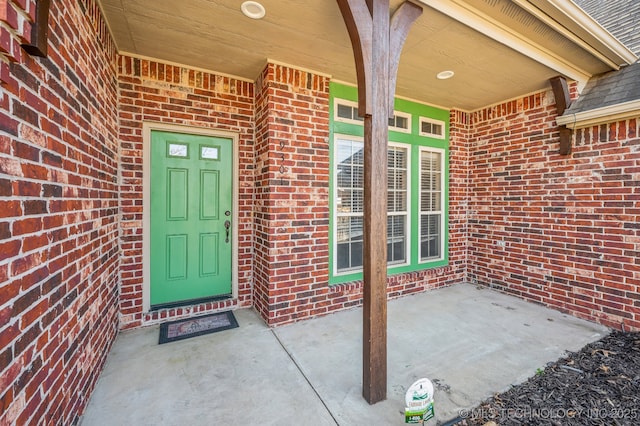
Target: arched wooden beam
402, 20
357, 17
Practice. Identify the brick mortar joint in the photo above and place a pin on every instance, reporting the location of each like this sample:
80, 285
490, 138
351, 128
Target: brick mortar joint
19, 10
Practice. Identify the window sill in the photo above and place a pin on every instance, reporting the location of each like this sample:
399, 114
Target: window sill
348, 277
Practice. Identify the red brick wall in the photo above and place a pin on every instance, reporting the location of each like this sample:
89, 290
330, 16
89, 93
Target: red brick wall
16, 19
58, 212
459, 147
292, 186
350, 294
292, 204
562, 231
557, 230
155, 92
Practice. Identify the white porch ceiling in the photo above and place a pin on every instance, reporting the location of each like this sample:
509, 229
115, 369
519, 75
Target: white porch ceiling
215, 35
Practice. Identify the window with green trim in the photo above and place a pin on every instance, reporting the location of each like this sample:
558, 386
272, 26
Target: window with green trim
431, 202
417, 187
349, 203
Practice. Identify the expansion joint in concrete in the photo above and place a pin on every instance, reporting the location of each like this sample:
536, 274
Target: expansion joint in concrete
305, 376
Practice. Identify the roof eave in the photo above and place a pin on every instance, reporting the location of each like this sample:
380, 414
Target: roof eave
595, 117
484, 24
569, 15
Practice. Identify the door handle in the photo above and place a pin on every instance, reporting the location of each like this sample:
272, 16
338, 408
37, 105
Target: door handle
227, 225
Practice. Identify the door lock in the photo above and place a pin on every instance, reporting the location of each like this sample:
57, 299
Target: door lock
227, 225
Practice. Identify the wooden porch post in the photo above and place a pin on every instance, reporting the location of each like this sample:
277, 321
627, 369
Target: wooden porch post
377, 42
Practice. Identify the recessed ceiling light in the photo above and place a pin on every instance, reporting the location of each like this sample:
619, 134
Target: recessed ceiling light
443, 75
253, 10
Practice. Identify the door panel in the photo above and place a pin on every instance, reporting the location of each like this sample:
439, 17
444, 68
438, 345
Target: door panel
176, 257
191, 189
209, 257
177, 186
209, 194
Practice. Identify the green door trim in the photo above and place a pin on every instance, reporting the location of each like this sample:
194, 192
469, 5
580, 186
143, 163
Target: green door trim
147, 129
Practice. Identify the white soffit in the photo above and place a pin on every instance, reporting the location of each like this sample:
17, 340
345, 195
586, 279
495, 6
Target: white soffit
560, 61
490, 27
495, 56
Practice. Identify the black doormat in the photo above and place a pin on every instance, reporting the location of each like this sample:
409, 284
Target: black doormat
191, 327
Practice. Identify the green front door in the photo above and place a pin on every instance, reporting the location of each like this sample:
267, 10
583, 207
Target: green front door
191, 217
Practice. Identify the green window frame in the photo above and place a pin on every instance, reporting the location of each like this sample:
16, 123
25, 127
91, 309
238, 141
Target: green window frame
417, 193
431, 204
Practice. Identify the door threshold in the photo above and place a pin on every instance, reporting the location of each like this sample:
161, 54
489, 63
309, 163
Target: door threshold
189, 302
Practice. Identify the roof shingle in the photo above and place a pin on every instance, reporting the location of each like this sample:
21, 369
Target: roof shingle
620, 17
609, 89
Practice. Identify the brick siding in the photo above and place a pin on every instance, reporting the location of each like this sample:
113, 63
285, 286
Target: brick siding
562, 231
292, 190
16, 19
292, 205
284, 211
58, 212
155, 92
459, 182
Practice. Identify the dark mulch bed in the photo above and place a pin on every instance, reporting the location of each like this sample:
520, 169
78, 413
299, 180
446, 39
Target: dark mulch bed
599, 385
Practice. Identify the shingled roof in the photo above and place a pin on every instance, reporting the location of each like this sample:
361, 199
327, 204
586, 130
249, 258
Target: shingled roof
622, 19
609, 89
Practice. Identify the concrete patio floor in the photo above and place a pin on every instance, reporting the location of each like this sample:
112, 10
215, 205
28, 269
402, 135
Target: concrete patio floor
470, 342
